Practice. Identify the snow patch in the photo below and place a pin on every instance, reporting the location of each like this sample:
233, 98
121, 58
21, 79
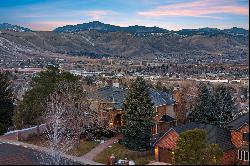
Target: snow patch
15, 131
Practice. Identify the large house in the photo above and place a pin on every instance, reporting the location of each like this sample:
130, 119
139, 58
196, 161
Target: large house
109, 101
232, 139
239, 129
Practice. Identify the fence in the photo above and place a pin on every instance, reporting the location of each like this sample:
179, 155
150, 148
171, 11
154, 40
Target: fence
25, 133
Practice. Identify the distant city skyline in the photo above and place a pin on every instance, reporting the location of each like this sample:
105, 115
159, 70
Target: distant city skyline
169, 14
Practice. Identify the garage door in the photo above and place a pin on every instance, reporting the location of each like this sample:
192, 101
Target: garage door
165, 155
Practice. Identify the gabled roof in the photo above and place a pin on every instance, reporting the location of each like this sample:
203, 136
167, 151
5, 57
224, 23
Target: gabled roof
238, 122
215, 134
110, 94
168, 98
167, 118
118, 95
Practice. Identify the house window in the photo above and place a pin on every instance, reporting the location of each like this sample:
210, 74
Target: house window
246, 156
246, 137
243, 155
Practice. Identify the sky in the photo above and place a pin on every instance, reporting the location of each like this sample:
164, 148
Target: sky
46, 15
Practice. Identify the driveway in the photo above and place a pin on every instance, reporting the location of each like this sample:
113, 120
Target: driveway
18, 155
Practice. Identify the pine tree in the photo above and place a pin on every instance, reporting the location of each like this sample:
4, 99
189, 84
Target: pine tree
138, 116
224, 104
214, 105
6, 103
205, 109
32, 107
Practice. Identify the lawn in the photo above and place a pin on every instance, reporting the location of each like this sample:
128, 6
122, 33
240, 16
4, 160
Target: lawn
120, 152
85, 147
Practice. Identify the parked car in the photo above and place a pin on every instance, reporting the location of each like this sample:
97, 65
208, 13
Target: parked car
123, 162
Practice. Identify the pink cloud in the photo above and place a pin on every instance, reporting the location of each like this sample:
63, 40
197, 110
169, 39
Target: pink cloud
48, 25
201, 8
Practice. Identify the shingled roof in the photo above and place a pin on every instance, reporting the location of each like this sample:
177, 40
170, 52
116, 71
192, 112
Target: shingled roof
118, 95
238, 122
167, 118
110, 94
215, 134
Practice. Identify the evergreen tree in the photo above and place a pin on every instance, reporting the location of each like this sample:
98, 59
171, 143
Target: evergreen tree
138, 116
214, 105
205, 109
6, 103
225, 105
29, 110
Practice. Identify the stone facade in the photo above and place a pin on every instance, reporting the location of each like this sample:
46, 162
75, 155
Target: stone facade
237, 136
160, 111
240, 144
111, 117
228, 158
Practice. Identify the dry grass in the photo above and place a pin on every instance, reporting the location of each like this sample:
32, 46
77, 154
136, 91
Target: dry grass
121, 152
85, 147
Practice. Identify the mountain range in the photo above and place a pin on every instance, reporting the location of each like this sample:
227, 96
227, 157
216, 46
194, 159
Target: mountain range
96, 39
7, 26
99, 26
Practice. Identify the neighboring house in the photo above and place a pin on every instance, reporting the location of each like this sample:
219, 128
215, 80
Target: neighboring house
233, 139
166, 143
239, 129
109, 101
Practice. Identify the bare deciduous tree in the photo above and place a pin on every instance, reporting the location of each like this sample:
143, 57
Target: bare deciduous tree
185, 99
67, 116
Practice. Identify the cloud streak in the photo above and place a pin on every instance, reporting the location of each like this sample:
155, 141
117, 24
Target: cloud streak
200, 8
48, 25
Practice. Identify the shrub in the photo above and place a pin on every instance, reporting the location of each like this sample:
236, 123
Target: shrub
108, 133
32, 135
3, 128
